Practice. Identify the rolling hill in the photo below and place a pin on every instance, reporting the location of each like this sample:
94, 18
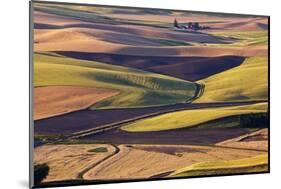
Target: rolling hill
247, 82
188, 118
137, 88
187, 68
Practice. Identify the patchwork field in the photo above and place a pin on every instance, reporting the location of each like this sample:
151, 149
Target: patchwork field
129, 93
57, 100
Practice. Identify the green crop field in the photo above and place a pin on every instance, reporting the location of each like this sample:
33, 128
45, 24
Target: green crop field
246, 82
189, 118
137, 88
253, 164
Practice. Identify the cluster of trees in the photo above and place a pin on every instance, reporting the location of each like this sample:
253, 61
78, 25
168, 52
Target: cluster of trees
259, 120
190, 25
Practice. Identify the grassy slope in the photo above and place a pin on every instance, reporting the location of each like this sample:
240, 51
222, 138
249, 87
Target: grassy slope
137, 88
246, 82
253, 164
189, 118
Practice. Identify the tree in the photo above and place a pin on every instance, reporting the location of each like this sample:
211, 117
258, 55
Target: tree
40, 173
176, 25
196, 26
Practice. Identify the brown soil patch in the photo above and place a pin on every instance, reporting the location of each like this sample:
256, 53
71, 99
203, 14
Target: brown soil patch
256, 140
57, 100
140, 161
67, 161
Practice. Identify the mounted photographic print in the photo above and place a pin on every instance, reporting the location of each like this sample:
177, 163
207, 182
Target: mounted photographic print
122, 94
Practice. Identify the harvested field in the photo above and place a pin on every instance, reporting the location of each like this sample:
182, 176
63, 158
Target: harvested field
68, 161
145, 161
256, 140
57, 100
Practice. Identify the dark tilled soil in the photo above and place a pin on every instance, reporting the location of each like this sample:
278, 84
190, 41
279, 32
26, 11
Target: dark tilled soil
177, 136
187, 68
